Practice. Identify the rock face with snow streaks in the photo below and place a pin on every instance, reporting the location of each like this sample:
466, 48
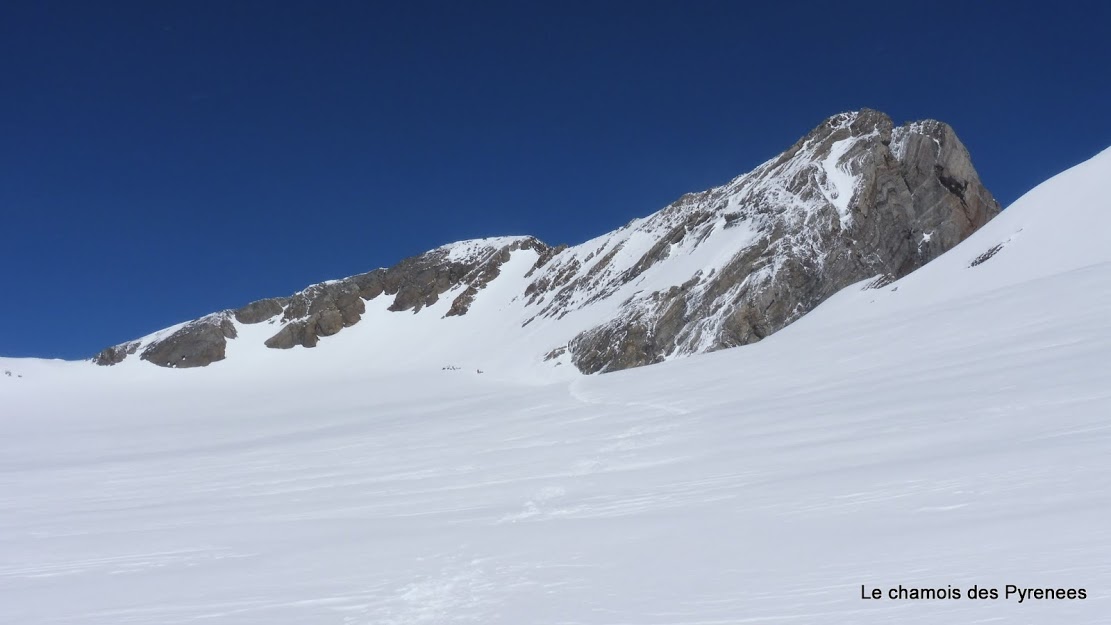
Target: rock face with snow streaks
416, 282
856, 198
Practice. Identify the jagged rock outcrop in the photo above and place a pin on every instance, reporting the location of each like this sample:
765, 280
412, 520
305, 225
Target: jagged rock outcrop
856, 198
320, 310
116, 354
196, 344
262, 310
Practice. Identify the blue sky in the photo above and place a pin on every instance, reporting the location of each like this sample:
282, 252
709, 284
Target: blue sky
163, 160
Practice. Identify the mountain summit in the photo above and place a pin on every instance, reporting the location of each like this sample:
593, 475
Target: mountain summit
857, 198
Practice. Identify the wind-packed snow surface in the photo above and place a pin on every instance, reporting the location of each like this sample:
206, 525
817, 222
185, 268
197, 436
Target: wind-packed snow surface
947, 430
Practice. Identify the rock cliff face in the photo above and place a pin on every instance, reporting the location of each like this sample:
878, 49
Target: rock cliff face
856, 198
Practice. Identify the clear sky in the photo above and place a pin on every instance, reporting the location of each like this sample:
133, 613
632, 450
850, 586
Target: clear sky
163, 160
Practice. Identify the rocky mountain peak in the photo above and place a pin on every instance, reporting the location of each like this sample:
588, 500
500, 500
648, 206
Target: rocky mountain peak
856, 198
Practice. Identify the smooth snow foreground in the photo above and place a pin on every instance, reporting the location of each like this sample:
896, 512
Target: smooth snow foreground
948, 430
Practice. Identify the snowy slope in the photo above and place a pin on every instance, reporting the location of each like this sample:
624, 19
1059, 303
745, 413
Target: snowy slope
947, 429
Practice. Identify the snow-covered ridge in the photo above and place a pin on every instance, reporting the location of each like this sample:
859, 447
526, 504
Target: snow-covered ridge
723, 267
463, 251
